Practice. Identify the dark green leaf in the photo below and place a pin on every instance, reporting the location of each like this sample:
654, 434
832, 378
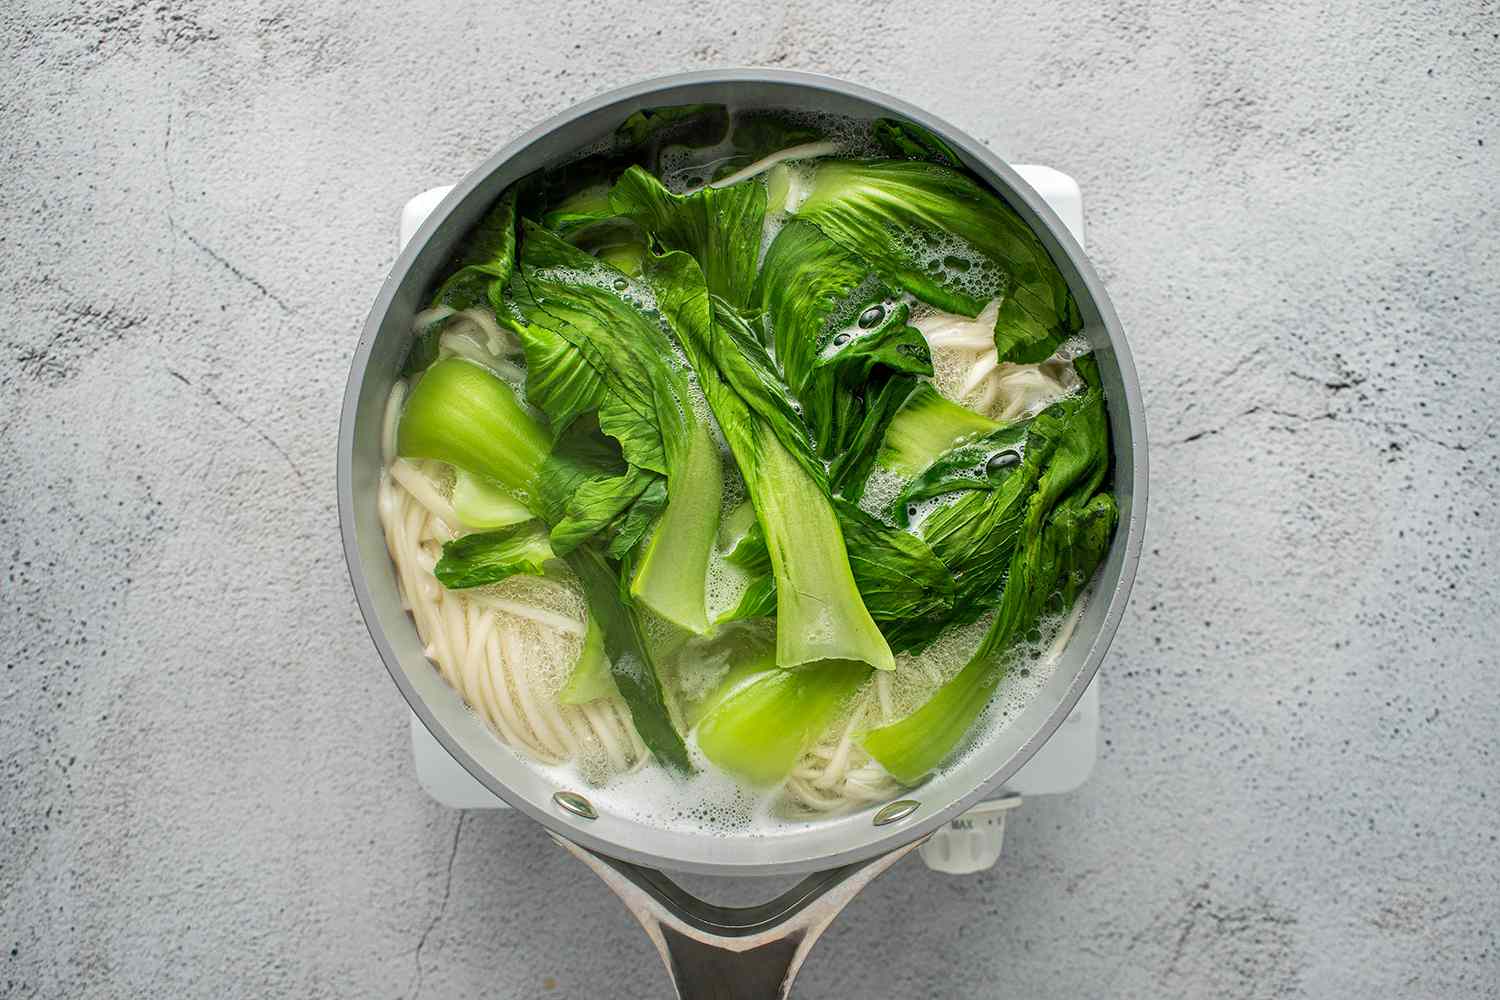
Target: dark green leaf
950, 242
631, 664
489, 258
595, 506
640, 140
559, 380
906, 589
491, 556
1065, 531
719, 227
851, 466
646, 406
599, 350
424, 348
638, 518
688, 125
820, 615
840, 337
978, 465
907, 140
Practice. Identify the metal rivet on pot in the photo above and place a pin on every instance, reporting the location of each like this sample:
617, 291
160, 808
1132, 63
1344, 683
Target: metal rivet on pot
892, 812
576, 804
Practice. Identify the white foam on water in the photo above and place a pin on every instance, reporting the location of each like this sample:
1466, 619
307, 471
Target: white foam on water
605, 278
881, 490
954, 263
712, 802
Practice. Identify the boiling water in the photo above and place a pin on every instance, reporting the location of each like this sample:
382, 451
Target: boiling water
710, 800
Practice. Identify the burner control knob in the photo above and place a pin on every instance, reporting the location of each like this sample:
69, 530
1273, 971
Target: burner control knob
971, 843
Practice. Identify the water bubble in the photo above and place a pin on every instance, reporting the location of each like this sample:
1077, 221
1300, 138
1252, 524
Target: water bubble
621, 284
1001, 460
841, 340
871, 317
956, 263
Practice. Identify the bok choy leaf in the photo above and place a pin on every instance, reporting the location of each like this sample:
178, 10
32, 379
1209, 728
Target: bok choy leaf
719, 227
1056, 564
566, 197
490, 556
925, 427
905, 587
481, 505
590, 678
937, 233
820, 615
604, 354
908, 140
1063, 532
461, 413
840, 339
631, 665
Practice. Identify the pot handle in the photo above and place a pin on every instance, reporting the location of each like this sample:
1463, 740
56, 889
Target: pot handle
733, 952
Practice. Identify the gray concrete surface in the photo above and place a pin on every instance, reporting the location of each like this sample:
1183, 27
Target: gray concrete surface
206, 789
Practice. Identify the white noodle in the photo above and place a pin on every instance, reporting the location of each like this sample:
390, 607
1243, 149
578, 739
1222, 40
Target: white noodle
806, 151
541, 616
423, 491
427, 317
499, 341
477, 626
838, 764
471, 346
981, 371
391, 419
472, 638
572, 724
608, 736
510, 646
500, 681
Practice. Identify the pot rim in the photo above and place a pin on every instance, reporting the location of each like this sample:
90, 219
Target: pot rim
1126, 546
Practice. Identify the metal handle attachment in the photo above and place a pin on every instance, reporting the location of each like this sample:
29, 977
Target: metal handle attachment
733, 952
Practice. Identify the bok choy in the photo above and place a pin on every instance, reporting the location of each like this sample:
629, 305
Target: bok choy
591, 350
461, 413
819, 612
1061, 534
935, 232
714, 309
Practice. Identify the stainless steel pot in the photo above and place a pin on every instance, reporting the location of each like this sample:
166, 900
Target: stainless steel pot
714, 951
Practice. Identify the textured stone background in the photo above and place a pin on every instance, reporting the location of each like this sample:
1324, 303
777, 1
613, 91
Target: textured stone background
206, 783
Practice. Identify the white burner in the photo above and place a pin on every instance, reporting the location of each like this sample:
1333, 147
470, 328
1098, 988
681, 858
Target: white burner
970, 843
